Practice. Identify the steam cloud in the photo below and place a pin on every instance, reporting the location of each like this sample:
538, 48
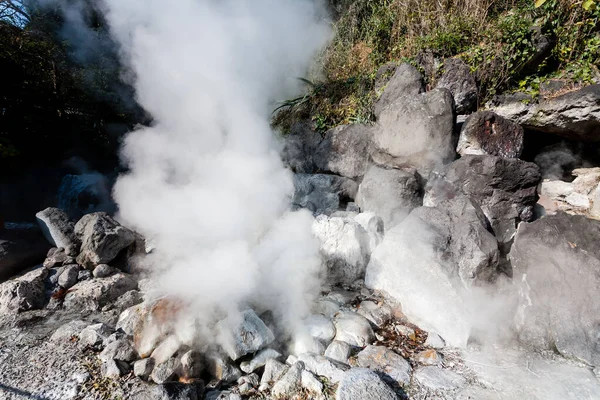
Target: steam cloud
206, 183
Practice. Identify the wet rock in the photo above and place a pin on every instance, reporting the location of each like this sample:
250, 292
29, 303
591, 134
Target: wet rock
68, 331
364, 384
504, 188
58, 229
323, 194
96, 293
436, 378
416, 131
320, 327
338, 351
344, 248
289, 383
322, 366
103, 271
102, 238
459, 80
245, 336
551, 257
377, 314
119, 350
165, 371
345, 151
384, 360
353, 329
406, 81
259, 360
485, 132
311, 383
69, 276
342, 296
23, 293
273, 371
299, 148
574, 115
143, 368
389, 193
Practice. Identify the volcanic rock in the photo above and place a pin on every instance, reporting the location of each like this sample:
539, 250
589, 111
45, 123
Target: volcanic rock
338, 351
373, 224
320, 327
58, 229
69, 330
245, 336
103, 271
96, 293
119, 350
353, 329
323, 194
383, 360
406, 81
299, 148
322, 366
289, 383
436, 378
69, 276
485, 132
364, 384
23, 293
459, 80
377, 314
345, 151
143, 368
273, 371
165, 371
580, 197
259, 360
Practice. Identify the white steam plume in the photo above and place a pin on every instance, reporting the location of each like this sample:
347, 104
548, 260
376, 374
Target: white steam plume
206, 183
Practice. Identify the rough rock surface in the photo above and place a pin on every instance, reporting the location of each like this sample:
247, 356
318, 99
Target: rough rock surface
550, 258
580, 197
485, 132
259, 360
504, 188
345, 248
299, 147
383, 360
23, 293
460, 81
338, 351
389, 193
416, 131
58, 229
437, 378
323, 194
575, 115
364, 384
320, 365
405, 81
102, 238
353, 329
345, 150
96, 293
245, 336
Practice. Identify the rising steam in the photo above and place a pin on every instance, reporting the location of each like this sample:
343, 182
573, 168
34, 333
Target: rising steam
206, 184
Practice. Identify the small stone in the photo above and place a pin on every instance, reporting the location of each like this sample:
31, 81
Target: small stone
93, 336
311, 383
166, 371
429, 357
377, 314
434, 340
363, 384
143, 368
383, 360
436, 378
104, 271
119, 350
259, 360
320, 327
338, 351
113, 369
290, 382
69, 276
353, 329
69, 330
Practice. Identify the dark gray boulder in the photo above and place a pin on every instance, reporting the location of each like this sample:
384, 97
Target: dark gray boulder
556, 265
323, 194
299, 147
574, 115
390, 193
407, 80
504, 188
416, 131
364, 384
485, 132
58, 228
102, 238
345, 151
21, 247
459, 80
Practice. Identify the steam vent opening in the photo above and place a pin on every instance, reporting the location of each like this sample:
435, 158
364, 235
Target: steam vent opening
299, 199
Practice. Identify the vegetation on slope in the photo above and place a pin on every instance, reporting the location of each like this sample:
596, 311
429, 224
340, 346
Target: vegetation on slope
496, 38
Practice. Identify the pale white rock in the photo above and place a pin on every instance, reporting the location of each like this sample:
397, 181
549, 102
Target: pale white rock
338, 351
345, 248
259, 360
289, 383
326, 306
311, 383
322, 366
273, 371
166, 349
243, 334
353, 329
373, 224
363, 384
68, 331
434, 340
377, 314
436, 378
143, 368
320, 327
386, 361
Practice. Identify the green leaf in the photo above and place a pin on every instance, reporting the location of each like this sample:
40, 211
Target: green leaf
539, 3
589, 5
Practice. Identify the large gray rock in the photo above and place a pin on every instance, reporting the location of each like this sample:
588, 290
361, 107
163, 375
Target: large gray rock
243, 334
485, 132
323, 366
416, 131
575, 115
556, 265
338, 351
459, 80
405, 81
23, 293
299, 147
21, 247
94, 294
389, 193
345, 248
323, 194
165, 371
353, 329
320, 327
58, 229
121, 350
364, 384
504, 188
345, 150
102, 238
428, 261
385, 361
